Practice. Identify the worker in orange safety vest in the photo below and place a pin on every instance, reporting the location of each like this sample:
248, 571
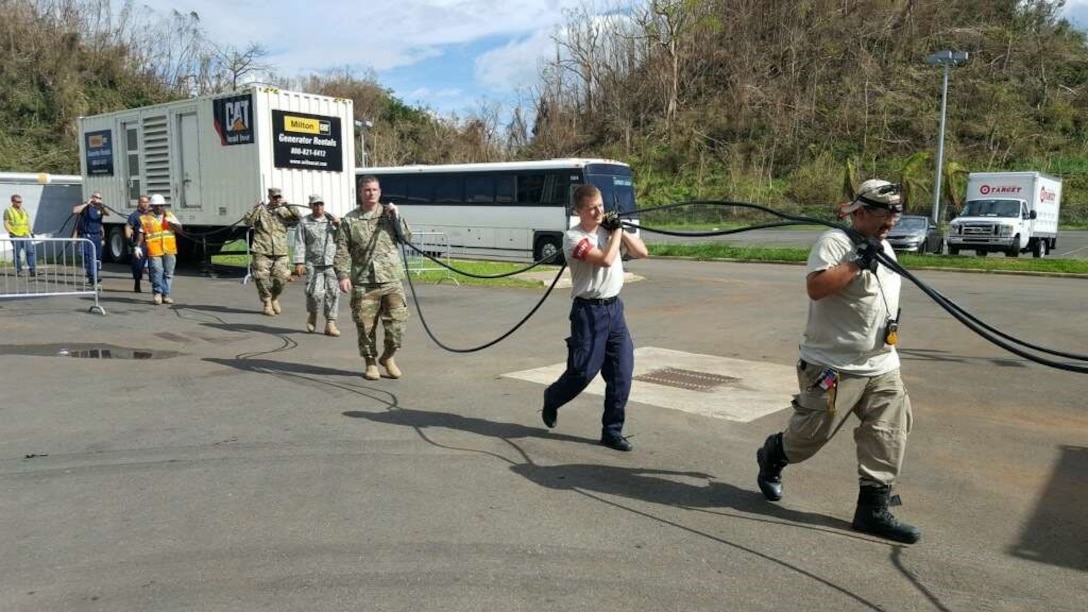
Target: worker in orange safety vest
158, 241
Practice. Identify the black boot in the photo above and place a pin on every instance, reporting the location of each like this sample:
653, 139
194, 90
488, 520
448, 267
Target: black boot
872, 516
136, 287
772, 460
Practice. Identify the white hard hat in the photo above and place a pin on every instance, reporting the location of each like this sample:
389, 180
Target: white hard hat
157, 200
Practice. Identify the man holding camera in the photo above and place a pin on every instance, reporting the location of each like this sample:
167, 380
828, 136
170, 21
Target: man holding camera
849, 365
599, 339
89, 226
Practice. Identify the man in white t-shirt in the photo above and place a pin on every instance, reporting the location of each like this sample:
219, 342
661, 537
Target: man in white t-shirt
849, 365
599, 341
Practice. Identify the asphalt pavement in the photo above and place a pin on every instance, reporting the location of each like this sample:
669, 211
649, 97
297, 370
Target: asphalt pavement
202, 456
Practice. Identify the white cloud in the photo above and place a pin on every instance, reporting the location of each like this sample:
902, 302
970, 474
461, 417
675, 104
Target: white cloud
515, 65
379, 34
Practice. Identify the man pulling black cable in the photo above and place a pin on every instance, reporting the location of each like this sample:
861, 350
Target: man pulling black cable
849, 365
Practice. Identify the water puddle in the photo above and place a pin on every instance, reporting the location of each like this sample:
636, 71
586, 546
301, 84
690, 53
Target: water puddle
84, 351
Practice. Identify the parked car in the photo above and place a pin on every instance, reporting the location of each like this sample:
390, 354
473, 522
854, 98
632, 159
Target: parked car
916, 233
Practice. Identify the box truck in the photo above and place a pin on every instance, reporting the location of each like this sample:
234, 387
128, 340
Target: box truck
214, 157
1008, 212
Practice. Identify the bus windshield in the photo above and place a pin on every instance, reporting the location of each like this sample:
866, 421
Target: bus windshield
618, 192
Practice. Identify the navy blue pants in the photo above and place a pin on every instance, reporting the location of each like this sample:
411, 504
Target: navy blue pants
138, 265
599, 342
92, 255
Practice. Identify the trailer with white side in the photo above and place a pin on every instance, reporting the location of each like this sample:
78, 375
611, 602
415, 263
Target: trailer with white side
212, 158
1008, 212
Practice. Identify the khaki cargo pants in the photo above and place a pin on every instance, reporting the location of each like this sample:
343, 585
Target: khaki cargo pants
881, 404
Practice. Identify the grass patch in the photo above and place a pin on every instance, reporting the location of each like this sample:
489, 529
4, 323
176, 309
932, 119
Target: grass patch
708, 251
483, 268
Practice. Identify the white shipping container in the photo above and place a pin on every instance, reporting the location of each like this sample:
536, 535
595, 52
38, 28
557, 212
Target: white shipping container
214, 157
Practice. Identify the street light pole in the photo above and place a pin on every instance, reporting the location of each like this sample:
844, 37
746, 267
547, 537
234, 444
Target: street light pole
362, 127
946, 58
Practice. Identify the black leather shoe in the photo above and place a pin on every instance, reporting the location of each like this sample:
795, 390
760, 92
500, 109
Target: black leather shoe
620, 444
549, 416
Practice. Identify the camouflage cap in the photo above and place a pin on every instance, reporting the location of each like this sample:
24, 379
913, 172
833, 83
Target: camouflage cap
316, 199
275, 191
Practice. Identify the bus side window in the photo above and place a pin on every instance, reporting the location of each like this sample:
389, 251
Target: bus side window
394, 188
479, 189
530, 188
448, 188
557, 188
420, 189
504, 188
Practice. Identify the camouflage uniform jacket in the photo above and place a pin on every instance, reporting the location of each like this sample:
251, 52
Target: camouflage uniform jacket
366, 248
270, 228
316, 241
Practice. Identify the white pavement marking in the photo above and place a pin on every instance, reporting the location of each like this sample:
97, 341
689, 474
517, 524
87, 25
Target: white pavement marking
1068, 254
761, 388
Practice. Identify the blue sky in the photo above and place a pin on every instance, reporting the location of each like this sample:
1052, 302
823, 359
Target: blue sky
452, 56
448, 55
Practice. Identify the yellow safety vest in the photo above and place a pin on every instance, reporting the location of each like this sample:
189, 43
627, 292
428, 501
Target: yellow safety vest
18, 222
158, 235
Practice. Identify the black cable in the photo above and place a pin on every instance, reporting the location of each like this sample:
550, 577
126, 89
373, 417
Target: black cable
415, 299
982, 329
430, 334
716, 232
471, 274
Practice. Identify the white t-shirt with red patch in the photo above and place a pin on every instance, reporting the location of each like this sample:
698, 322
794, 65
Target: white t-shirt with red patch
587, 280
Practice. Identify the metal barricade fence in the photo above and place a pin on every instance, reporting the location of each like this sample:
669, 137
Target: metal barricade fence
435, 244
47, 267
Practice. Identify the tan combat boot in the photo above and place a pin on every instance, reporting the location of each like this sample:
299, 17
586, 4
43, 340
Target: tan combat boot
276, 306
311, 322
390, 366
330, 328
371, 372
268, 312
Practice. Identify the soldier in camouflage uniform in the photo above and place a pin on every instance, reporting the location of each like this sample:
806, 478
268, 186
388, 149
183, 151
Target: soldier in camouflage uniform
316, 248
269, 249
368, 265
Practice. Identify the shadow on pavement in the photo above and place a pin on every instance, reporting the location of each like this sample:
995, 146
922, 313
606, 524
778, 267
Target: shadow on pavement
270, 366
655, 486
946, 357
222, 309
422, 419
667, 488
1057, 533
254, 327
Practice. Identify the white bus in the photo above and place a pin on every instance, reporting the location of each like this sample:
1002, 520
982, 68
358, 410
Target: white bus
510, 211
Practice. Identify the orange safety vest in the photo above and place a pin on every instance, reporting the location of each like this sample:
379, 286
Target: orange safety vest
159, 235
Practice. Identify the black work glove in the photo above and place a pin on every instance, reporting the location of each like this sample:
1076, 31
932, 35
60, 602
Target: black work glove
865, 254
611, 221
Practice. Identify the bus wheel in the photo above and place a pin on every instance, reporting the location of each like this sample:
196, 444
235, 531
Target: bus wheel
116, 245
547, 247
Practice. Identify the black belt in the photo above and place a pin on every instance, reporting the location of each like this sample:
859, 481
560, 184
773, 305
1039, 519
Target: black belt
597, 301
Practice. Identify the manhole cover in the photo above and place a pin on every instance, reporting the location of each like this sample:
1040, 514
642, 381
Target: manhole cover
686, 379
